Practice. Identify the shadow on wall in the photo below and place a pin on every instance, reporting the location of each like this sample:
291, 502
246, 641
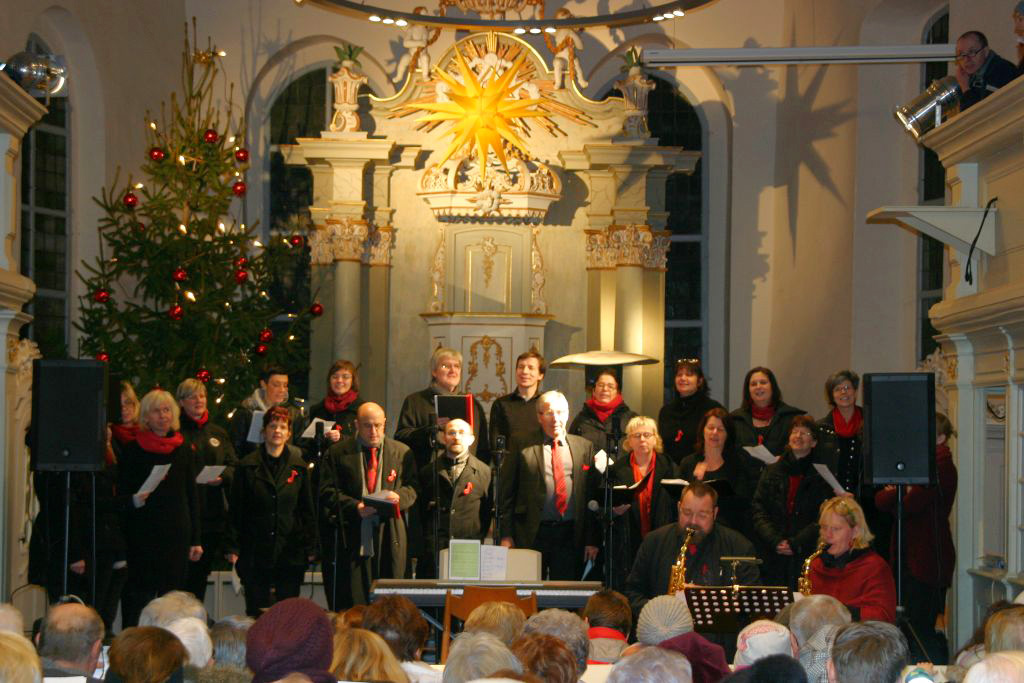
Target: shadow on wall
558, 343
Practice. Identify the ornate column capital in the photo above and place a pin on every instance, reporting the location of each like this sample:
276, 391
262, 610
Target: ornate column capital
632, 243
338, 239
600, 254
378, 246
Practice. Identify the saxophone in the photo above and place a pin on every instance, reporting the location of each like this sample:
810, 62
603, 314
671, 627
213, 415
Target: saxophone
677, 579
804, 583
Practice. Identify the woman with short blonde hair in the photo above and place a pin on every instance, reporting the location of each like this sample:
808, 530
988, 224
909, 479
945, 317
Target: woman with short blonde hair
361, 655
19, 662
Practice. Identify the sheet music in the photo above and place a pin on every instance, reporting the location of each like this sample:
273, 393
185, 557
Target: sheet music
156, 475
762, 454
493, 562
830, 478
601, 461
464, 560
255, 434
310, 431
209, 473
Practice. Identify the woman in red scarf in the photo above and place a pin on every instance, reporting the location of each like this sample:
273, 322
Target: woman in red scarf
341, 403
162, 531
762, 418
603, 414
652, 506
125, 431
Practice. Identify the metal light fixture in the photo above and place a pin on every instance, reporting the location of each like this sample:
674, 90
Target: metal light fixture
925, 111
37, 74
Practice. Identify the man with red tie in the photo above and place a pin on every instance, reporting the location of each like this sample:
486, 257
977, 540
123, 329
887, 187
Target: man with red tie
544, 494
364, 542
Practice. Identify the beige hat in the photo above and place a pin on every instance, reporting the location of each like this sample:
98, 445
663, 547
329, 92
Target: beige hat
663, 617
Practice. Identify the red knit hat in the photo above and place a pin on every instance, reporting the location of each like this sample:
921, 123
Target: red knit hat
293, 636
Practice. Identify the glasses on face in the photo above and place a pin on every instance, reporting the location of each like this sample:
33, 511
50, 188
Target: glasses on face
843, 389
451, 366
611, 386
969, 53
642, 435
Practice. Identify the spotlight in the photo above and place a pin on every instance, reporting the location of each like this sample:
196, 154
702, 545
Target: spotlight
36, 74
534, 30
374, 18
678, 12
519, 31
657, 18
925, 111
388, 20
549, 29
401, 22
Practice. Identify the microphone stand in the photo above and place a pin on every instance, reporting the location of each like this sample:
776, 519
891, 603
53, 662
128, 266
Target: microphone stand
611, 450
435, 460
497, 455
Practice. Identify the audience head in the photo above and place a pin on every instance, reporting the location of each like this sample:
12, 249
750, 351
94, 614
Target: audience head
868, 651
713, 431
707, 659
398, 621
784, 615
652, 665
19, 662
760, 639
608, 608
841, 388
145, 654
663, 617
195, 636
350, 618
160, 412
501, 619
446, 368
274, 385
545, 656
292, 636
72, 634
689, 378
477, 655
361, 655
228, 638
1004, 630
943, 428
636, 437
772, 669
998, 667
11, 619
170, 607
760, 388
130, 410
566, 626
342, 377
814, 611
843, 525
698, 509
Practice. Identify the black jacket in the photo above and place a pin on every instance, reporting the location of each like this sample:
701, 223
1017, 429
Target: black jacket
587, 425
465, 503
515, 418
994, 73
211, 445
663, 508
733, 509
241, 417
774, 437
678, 421
844, 456
418, 420
774, 524
272, 512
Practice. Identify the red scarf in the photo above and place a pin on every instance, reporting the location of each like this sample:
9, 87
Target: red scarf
125, 433
203, 419
847, 429
643, 498
604, 410
766, 414
164, 445
336, 404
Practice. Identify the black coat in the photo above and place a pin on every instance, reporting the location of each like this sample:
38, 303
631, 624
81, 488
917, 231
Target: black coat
775, 436
733, 509
994, 73
211, 445
271, 512
663, 508
241, 418
587, 425
660, 550
345, 420
465, 504
678, 421
773, 523
418, 420
515, 418
843, 455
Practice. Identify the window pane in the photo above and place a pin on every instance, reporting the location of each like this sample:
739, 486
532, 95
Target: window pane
932, 256
680, 342
26, 169
291, 191
683, 282
49, 326
683, 202
56, 112
50, 252
299, 111
50, 169
671, 118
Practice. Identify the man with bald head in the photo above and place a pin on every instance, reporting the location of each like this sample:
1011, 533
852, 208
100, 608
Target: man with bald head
462, 506
69, 642
362, 544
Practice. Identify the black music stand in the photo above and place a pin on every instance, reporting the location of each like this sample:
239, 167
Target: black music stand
727, 609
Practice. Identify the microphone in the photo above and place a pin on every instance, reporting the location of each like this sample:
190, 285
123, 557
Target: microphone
319, 428
595, 507
499, 442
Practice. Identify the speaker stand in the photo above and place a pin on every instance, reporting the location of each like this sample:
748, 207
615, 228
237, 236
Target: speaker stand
902, 622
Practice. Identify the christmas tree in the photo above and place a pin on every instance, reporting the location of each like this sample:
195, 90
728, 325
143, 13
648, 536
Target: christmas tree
180, 289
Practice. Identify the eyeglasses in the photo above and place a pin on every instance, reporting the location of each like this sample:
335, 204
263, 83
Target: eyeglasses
451, 366
606, 385
969, 53
642, 435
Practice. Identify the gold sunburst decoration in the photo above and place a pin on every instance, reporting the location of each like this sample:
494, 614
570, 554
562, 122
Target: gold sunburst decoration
484, 113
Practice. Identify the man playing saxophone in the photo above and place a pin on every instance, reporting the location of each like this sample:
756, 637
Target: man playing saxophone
710, 541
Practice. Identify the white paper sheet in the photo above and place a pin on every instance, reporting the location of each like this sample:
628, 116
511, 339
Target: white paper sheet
601, 461
762, 454
255, 434
311, 429
156, 475
830, 478
209, 473
493, 563
675, 482
464, 560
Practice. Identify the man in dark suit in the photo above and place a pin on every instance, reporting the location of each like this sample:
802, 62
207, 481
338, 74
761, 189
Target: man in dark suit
368, 544
465, 502
544, 494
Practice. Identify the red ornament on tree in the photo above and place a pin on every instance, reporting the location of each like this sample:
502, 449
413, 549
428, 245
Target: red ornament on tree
316, 310
241, 275
140, 226
241, 262
296, 240
101, 296
157, 154
175, 312
266, 334
238, 188
203, 375
261, 349
103, 356
241, 155
130, 200
210, 136
179, 275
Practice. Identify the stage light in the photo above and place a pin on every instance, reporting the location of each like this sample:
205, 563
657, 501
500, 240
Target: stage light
925, 111
36, 74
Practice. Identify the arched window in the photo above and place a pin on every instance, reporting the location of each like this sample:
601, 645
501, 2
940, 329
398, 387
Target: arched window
45, 210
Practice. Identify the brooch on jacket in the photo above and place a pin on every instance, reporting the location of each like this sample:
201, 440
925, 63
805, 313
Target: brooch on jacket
679, 436
291, 477
392, 476
469, 488
586, 467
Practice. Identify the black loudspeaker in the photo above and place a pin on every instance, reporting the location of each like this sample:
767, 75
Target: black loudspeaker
899, 428
69, 415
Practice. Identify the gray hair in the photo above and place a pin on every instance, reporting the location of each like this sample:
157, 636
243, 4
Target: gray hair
69, 632
998, 667
869, 651
195, 636
811, 613
228, 636
440, 353
568, 628
11, 619
548, 397
478, 655
652, 665
170, 607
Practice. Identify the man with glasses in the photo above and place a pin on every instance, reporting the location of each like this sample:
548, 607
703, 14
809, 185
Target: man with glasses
979, 70
698, 509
